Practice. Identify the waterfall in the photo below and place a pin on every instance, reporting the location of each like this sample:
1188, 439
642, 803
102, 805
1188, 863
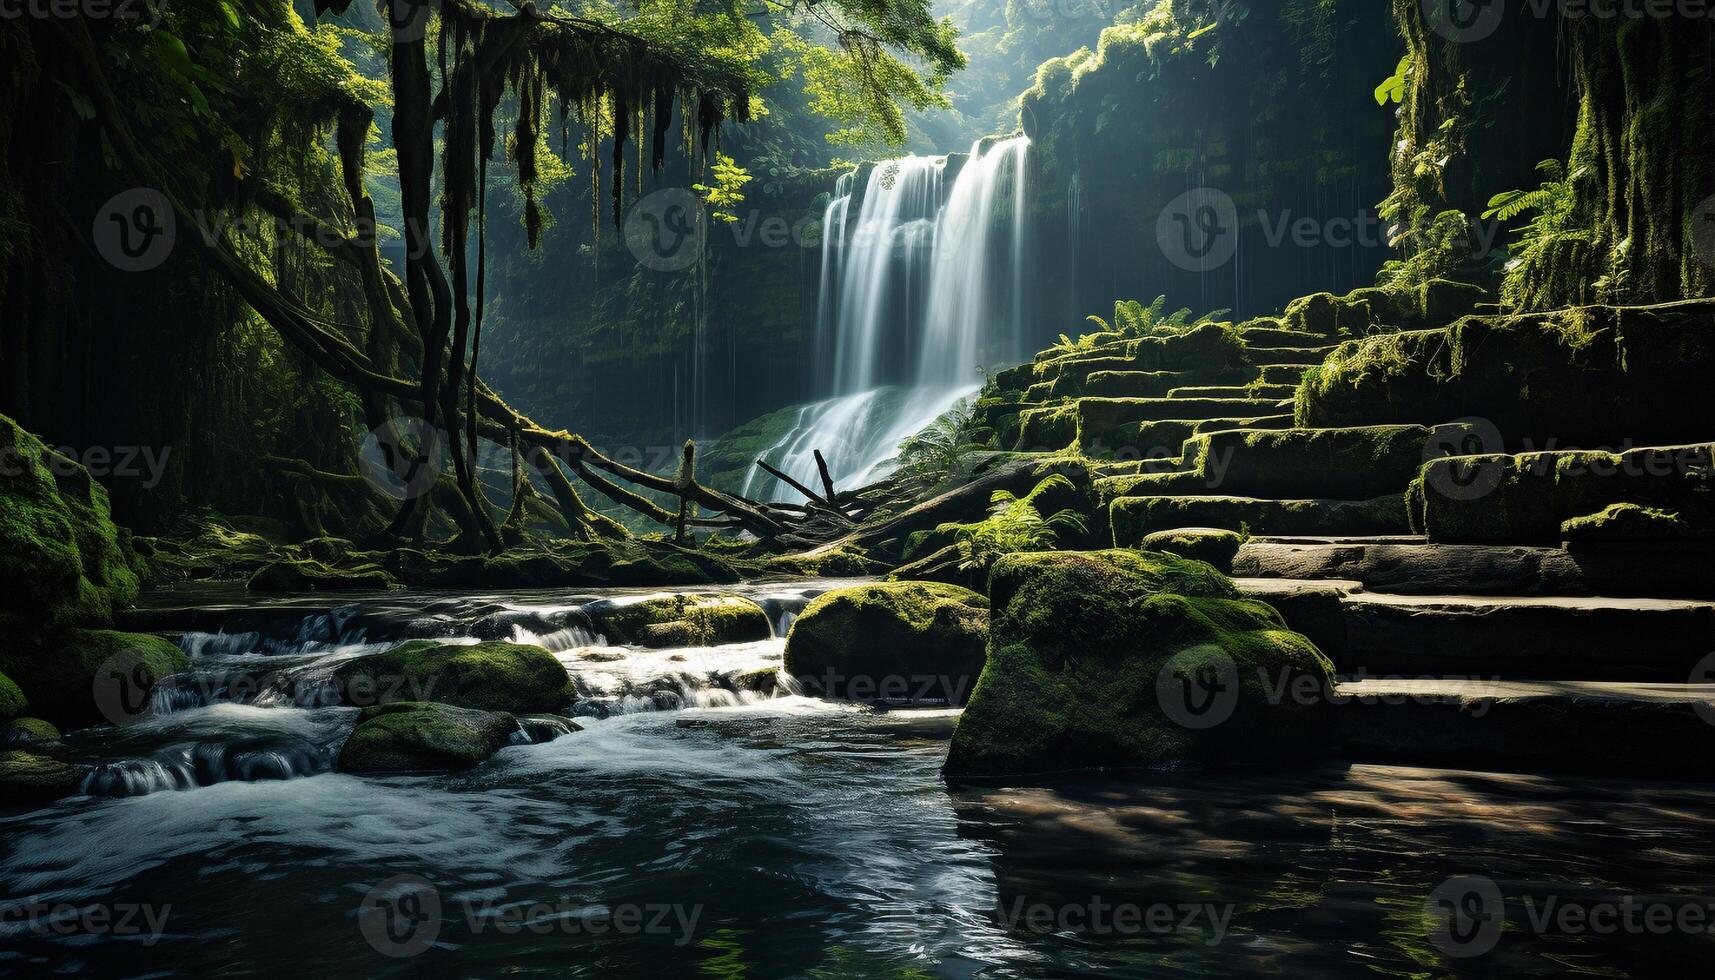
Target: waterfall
922, 282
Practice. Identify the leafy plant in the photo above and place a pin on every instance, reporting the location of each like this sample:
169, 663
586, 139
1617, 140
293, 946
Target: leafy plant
1015, 524
1392, 88
1552, 226
928, 458
727, 192
1132, 319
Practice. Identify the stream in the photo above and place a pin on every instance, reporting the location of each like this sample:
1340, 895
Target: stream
692, 828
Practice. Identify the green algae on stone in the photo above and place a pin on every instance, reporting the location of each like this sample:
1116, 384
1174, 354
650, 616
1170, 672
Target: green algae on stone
411, 736
311, 575
493, 676
685, 620
1625, 522
1090, 649
913, 641
29, 731
12, 700
78, 677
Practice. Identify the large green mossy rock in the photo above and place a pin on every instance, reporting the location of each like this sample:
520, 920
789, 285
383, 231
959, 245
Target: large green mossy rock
1127, 659
28, 778
1212, 545
62, 559
1434, 304
1530, 497
913, 641
26, 732
77, 677
507, 677
12, 700
410, 736
1534, 377
684, 620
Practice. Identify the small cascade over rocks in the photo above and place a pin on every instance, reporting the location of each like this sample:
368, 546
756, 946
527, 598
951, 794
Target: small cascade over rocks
920, 286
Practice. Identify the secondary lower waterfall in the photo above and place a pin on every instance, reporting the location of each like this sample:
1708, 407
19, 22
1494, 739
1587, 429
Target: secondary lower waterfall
922, 284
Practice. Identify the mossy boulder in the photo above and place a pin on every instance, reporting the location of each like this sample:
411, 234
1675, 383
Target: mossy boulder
1625, 522
62, 559
507, 677
1134, 518
912, 641
30, 778
29, 731
311, 575
684, 620
1216, 546
12, 700
79, 677
1127, 659
414, 736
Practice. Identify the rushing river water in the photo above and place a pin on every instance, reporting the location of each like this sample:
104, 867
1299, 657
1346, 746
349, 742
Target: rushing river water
692, 829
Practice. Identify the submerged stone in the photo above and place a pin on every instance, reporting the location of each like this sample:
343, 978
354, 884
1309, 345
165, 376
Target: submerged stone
508, 677
1125, 659
894, 641
411, 736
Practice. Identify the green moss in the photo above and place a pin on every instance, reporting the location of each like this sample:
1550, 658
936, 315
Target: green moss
26, 777
31, 731
567, 564
62, 558
890, 641
1133, 518
12, 700
1625, 522
423, 737
80, 677
1216, 546
311, 575
686, 620
491, 676
1084, 644
1531, 497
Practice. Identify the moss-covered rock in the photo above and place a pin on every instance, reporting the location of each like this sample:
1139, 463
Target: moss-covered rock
1217, 546
1531, 376
311, 575
411, 736
1625, 522
81, 677
1529, 497
29, 778
912, 641
506, 677
1124, 659
26, 732
684, 620
62, 559
1132, 518
12, 700
564, 564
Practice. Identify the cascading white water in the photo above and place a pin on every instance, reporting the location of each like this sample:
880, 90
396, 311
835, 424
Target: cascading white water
920, 287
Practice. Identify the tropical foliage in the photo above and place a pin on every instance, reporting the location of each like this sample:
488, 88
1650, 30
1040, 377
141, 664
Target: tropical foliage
1015, 524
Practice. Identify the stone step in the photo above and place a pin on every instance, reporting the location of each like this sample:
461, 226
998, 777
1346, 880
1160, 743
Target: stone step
1412, 566
1133, 517
1629, 729
1141, 384
1166, 438
1281, 374
1279, 392
1529, 637
1275, 338
1297, 356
